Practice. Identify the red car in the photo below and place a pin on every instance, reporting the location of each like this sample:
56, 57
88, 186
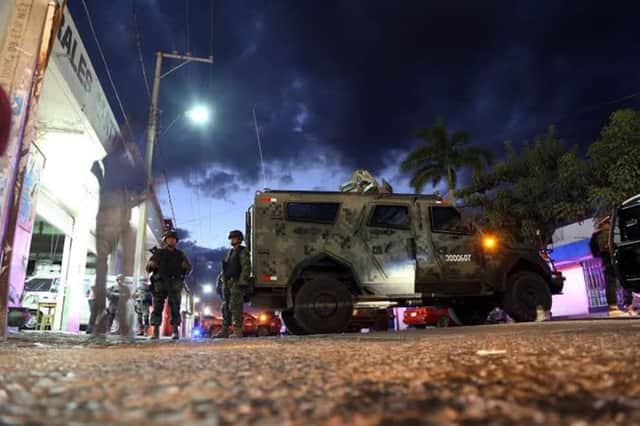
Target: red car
424, 316
268, 324
212, 325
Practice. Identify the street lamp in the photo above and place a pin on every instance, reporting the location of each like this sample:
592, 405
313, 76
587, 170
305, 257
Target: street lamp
198, 115
196, 299
207, 289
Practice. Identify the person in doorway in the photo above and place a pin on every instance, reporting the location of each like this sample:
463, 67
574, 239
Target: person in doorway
171, 266
122, 186
599, 246
233, 284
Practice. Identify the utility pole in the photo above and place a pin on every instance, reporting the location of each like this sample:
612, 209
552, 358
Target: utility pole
151, 140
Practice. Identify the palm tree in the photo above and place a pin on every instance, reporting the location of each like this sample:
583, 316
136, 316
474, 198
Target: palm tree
442, 156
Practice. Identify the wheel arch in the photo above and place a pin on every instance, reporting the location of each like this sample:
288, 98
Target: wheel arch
524, 264
323, 264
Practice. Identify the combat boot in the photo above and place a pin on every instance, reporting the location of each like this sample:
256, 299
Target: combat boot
156, 332
176, 333
223, 334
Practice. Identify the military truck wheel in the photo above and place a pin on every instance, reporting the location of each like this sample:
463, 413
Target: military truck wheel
323, 306
291, 323
525, 292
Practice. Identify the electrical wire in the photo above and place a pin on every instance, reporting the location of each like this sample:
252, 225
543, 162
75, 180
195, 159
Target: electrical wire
173, 212
139, 48
186, 27
106, 65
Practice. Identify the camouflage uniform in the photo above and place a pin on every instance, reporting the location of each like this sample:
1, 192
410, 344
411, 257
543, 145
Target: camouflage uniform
171, 267
143, 302
236, 270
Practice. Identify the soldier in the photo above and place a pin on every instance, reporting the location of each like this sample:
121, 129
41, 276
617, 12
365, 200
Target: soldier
170, 265
599, 245
143, 302
113, 297
233, 283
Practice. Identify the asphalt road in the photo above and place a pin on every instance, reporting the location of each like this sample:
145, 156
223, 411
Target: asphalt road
574, 373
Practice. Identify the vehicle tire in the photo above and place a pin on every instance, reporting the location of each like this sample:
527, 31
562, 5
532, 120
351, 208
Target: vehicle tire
420, 326
442, 322
472, 314
263, 332
525, 292
291, 323
323, 306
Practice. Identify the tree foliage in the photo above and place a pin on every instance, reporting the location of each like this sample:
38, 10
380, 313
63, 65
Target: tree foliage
441, 156
532, 191
614, 161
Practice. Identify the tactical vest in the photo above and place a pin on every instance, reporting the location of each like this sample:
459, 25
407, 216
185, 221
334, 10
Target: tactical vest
169, 263
231, 267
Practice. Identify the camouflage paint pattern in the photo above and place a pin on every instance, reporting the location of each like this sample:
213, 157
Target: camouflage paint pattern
381, 258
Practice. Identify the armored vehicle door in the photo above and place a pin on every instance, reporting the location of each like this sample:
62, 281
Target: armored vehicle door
429, 266
455, 248
388, 237
625, 244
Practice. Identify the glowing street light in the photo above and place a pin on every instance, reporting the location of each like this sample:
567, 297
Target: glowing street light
207, 288
199, 114
196, 299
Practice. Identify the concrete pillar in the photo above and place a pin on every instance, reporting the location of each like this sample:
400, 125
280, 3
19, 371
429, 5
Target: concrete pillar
75, 299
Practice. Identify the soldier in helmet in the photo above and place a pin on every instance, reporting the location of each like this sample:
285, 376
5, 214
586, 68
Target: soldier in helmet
233, 283
170, 266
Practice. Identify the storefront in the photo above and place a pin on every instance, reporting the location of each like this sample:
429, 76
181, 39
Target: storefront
59, 198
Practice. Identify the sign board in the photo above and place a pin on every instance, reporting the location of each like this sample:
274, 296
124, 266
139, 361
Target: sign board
72, 59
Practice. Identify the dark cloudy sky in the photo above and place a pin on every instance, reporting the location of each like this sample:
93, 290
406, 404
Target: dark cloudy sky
340, 85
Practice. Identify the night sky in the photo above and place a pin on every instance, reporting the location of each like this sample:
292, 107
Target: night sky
340, 85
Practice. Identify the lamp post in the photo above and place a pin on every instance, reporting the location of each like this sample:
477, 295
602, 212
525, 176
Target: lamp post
151, 139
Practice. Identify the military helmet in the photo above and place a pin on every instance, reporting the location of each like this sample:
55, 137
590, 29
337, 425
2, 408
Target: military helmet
236, 234
170, 233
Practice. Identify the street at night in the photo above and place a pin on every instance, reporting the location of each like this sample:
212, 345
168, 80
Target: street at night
571, 372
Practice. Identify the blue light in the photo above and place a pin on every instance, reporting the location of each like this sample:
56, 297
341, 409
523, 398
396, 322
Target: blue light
197, 332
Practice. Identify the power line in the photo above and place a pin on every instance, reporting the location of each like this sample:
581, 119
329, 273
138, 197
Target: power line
106, 65
186, 27
173, 212
139, 48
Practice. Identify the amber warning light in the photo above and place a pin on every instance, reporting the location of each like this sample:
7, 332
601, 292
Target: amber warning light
489, 243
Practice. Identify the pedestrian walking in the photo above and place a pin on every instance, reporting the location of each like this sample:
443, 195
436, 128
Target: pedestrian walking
144, 301
121, 188
170, 265
599, 245
113, 298
232, 285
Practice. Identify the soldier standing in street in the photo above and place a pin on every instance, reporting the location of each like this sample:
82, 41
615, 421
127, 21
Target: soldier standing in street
233, 283
170, 265
599, 245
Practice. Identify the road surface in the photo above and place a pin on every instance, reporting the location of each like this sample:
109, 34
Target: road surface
573, 373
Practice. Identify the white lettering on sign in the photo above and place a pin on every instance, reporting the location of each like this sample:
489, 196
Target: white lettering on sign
457, 257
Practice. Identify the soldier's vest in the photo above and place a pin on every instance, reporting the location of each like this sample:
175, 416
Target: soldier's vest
231, 267
169, 263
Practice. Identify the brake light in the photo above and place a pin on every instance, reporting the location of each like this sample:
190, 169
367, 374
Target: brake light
413, 314
269, 278
263, 317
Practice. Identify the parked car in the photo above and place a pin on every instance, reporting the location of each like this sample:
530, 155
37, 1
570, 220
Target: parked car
268, 323
38, 289
371, 319
211, 325
625, 243
424, 316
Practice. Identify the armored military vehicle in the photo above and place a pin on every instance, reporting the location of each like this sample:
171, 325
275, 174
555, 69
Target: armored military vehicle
318, 255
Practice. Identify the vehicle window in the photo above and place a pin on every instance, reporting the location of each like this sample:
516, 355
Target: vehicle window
390, 217
313, 212
38, 284
447, 219
630, 224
